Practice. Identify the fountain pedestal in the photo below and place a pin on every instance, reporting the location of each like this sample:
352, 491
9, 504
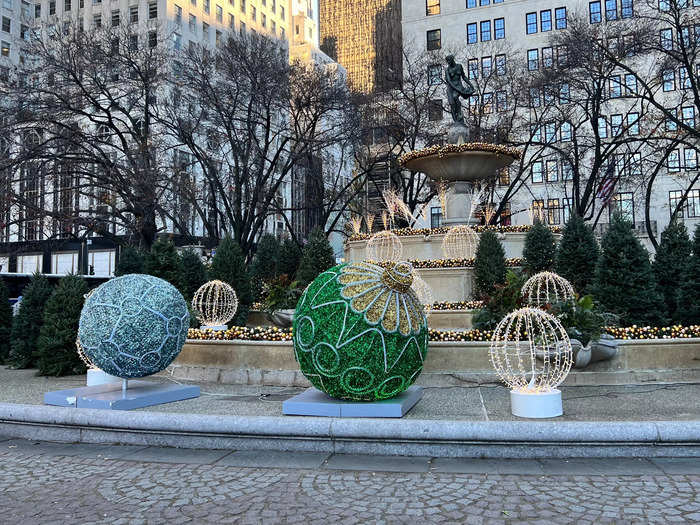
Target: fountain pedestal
459, 204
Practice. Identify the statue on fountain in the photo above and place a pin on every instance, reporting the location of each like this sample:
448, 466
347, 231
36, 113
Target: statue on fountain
454, 75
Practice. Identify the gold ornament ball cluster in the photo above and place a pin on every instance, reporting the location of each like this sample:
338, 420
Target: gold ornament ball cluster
446, 149
531, 351
460, 242
546, 288
215, 303
384, 246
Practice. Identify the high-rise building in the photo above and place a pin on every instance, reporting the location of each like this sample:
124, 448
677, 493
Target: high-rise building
364, 36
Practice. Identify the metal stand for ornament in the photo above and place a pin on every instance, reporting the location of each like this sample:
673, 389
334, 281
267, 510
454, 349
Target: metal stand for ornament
214, 328
95, 377
536, 405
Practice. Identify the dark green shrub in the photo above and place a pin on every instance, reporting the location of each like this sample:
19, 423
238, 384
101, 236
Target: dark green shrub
317, 257
131, 260
228, 265
5, 322
624, 282
539, 249
489, 265
504, 299
581, 318
689, 289
56, 352
194, 274
28, 321
290, 257
671, 260
266, 260
163, 261
577, 254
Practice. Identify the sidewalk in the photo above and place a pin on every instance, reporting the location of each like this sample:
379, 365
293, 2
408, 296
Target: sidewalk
644, 420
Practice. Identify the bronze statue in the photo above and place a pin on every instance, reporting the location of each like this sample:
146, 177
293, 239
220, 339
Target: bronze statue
454, 75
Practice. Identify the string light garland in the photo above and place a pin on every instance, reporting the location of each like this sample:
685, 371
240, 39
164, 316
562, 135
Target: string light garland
425, 232
512, 262
215, 303
446, 149
546, 288
458, 305
460, 242
424, 292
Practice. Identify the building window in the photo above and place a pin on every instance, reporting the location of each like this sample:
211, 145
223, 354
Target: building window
499, 28
673, 162
560, 18
471, 3
432, 7
533, 60
231, 21
193, 24
546, 20
615, 86
500, 65
690, 158
205, 32
6, 24
472, 37
669, 80
624, 204
67, 5
688, 116
547, 57
594, 15
435, 110
535, 99
152, 11
666, 39
207, 7
565, 131
115, 18
486, 66
630, 84
134, 14
97, 20
152, 39
536, 171
219, 13
633, 123
473, 68
564, 94
552, 170
434, 74
501, 101
615, 125
602, 128
434, 39
537, 210
4, 49
531, 23
611, 9
486, 30
627, 8
553, 211
435, 216
691, 205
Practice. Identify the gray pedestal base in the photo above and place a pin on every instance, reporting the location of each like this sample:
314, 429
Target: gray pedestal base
139, 394
313, 402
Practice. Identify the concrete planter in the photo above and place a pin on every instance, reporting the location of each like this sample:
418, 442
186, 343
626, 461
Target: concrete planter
447, 364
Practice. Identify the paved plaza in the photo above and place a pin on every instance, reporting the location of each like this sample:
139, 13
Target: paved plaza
60, 483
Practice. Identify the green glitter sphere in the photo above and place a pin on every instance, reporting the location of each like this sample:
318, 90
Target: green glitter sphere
360, 331
133, 326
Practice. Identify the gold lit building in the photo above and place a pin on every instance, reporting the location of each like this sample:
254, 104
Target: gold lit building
364, 36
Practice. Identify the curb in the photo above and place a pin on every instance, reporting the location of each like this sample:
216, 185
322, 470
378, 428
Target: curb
405, 437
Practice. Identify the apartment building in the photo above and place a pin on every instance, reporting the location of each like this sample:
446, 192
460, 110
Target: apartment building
184, 23
522, 29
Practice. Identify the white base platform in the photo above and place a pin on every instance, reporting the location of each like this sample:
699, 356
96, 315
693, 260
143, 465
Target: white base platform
313, 402
95, 377
536, 405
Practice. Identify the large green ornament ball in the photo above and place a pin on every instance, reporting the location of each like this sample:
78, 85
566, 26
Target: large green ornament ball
133, 326
360, 331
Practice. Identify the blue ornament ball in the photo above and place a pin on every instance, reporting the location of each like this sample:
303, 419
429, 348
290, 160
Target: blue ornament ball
134, 325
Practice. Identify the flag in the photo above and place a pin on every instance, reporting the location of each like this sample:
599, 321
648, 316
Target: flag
607, 185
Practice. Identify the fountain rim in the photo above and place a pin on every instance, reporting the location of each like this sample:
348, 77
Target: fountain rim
448, 150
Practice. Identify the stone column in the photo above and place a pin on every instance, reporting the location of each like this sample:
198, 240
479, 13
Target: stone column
459, 202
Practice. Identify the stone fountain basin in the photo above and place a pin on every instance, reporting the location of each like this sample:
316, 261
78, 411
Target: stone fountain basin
460, 166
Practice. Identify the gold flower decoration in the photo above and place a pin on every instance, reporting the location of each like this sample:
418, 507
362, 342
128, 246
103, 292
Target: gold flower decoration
384, 295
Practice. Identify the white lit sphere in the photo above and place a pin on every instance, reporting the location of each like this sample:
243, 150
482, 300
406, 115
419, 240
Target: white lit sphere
546, 288
460, 242
424, 292
384, 246
215, 303
531, 351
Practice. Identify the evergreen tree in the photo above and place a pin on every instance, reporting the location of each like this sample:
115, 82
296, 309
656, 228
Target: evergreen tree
194, 274
539, 249
131, 260
56, 352
489, 265
228, 265
671, 260
266, 260
163, 261
577, 254
290, 257
689, 292
27, 323
5, 322
317, 256
624, 281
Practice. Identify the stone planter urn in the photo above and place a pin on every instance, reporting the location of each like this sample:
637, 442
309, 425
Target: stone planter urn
603, 349
281, 318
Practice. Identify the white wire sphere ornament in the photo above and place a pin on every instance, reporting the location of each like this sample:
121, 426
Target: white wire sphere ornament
531, 351
384, 246
460, 242
215, 303
546, 288
424, 292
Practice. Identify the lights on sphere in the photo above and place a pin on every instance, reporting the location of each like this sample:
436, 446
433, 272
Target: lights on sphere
215, 303
546, 288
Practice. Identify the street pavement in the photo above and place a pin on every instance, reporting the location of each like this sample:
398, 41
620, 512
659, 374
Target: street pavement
43, 483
